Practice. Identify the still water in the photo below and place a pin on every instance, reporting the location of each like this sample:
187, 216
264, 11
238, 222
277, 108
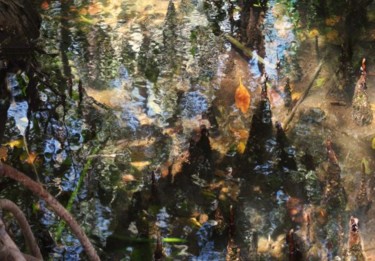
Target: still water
170, 126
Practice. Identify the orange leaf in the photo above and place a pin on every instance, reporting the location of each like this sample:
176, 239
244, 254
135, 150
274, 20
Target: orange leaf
83, 11
128, 178
242, 98
94, 9
31, 158
45, 5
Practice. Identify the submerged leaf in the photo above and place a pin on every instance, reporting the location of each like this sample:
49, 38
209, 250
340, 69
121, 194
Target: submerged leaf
333, 20
128, 178
94, 9
174, 240
242, 98
3, 153
314, 32
44, 5
296, 95
31, 158
241, 147
195, 222
15, 143
140, 165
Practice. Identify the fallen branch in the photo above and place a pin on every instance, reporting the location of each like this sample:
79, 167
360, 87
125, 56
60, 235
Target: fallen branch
248, 52
303, 96
37, 188
17, 213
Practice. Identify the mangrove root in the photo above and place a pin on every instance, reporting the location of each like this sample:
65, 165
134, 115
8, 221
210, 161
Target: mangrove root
38, 189
17, 213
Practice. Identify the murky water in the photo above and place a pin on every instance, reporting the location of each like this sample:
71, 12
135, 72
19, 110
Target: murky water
163, 147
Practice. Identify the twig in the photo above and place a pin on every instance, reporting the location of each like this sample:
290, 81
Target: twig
303, 96
17, 213
114, 155
37, 188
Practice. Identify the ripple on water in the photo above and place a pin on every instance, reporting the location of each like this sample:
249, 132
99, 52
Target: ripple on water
193, 104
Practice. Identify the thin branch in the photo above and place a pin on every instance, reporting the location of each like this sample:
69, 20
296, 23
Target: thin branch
303, 96
37, 188
248, 52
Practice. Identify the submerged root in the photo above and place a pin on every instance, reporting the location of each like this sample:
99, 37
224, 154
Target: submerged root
24, 225
38, 189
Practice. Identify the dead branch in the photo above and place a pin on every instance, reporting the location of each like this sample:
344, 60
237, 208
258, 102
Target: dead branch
37, 188
303, 96
17, 213
247, 51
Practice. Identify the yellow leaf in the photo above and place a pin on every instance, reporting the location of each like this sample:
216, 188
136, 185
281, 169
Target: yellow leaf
320, 82
332, 36
140, 165
296, 95
242, 98
367, 164
241, 147
195, 222
373, 143
15, 143
87, 20
313, 33
331, 21
240, 133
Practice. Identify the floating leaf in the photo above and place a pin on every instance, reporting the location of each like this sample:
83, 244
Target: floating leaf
242, 98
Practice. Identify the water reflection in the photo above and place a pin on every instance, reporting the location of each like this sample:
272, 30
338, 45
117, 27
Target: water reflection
172, 155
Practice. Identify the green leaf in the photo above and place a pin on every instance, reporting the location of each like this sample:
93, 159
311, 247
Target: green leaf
174, 240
